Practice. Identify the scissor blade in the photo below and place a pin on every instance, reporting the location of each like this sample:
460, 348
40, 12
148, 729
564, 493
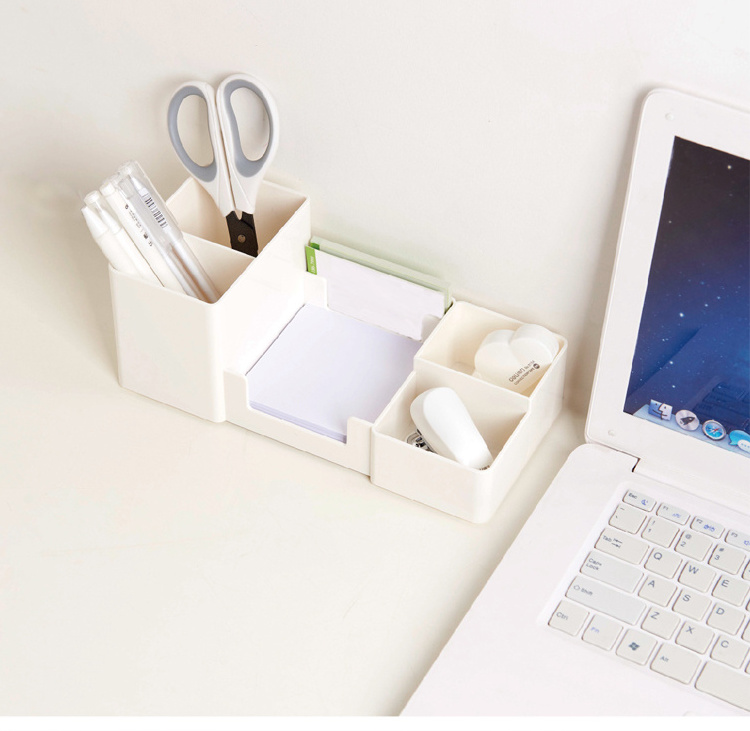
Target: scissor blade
242, 234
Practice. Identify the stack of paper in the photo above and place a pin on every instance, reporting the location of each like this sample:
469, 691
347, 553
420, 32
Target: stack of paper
381, 265
325, 367
408, 303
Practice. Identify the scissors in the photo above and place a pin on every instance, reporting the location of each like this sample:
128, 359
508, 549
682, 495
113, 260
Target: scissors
230, 178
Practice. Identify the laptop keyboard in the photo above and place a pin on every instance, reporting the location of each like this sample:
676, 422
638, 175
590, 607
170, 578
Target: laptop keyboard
669, 591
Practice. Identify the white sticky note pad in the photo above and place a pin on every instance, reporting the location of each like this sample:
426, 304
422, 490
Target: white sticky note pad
378, 298
325, 367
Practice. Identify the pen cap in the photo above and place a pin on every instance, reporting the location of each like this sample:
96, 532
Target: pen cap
112, 196
94, 222
95, 202
107, 187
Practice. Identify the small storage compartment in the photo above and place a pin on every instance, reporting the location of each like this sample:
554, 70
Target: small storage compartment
461, 333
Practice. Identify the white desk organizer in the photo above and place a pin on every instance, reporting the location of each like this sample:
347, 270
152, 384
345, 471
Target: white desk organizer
195, 356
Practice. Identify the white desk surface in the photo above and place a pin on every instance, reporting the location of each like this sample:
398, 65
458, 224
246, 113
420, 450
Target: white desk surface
155, 563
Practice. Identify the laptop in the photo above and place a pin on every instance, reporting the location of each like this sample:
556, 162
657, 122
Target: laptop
627, 590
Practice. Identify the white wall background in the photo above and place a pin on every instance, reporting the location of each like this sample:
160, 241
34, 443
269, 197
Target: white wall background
486, 142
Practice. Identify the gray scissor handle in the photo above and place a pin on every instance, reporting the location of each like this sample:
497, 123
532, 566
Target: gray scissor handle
245, 167
214, 177
206, 173
245, 174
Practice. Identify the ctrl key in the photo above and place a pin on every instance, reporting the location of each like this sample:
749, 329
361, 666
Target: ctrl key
568, 617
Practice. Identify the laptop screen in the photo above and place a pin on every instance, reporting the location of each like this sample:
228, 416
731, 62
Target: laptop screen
691, 364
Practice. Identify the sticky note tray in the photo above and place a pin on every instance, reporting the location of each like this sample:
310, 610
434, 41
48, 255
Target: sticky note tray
195, 356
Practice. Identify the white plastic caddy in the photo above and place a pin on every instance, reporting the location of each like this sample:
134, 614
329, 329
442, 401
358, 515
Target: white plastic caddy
193, 355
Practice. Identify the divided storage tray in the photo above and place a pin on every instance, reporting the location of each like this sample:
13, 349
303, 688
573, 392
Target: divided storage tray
195, 356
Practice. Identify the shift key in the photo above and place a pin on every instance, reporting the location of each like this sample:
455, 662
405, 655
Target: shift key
603, 599
625, 547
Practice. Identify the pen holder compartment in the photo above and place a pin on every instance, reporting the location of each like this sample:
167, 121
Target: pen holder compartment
173, 347
510, 423
277, 219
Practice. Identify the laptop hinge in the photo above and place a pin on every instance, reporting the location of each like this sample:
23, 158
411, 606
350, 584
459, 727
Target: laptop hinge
625, 456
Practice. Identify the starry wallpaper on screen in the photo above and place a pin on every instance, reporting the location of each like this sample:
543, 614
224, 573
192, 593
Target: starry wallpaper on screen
699, 283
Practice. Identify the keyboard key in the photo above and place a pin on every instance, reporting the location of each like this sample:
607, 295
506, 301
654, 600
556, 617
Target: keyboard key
660, 623
746, 633
741, 540
697, 576
568, 617
636, 646
691, 604
657, 590
693, 545
708, 527
660, 532
611, 571
639, 500
602, 632
676, 663
664, 563
727, 559
726, 684
627, 518
730, 651
625, 547
695, 637
726, 619
602, 598
731, 590
670, 512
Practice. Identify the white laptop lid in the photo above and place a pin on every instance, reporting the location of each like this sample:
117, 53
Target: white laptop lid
672, 385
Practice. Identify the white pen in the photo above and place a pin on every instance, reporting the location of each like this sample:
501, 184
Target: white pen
125, 184
107, 243
168, 233
174, 237
94, 202
143, 242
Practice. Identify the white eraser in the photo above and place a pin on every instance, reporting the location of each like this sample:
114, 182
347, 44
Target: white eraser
516, 359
